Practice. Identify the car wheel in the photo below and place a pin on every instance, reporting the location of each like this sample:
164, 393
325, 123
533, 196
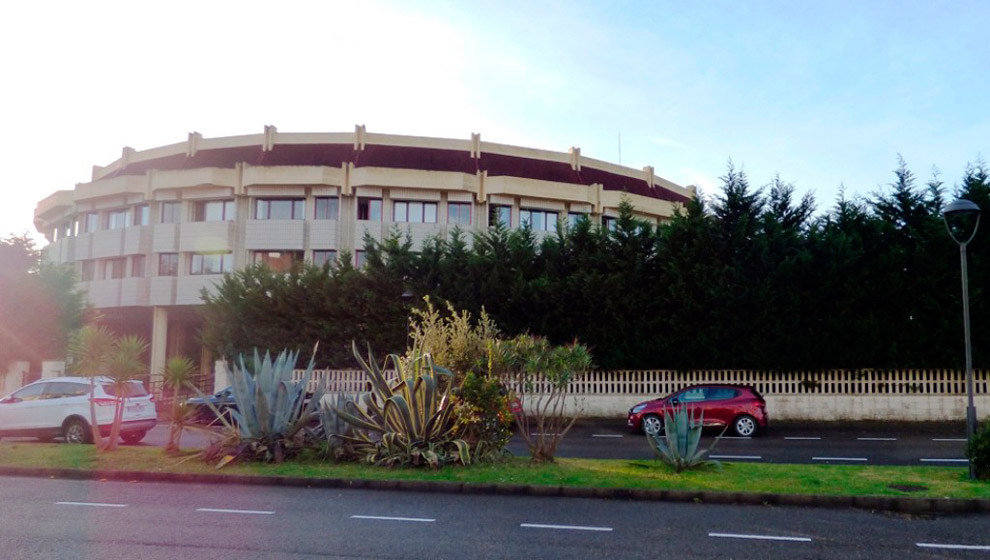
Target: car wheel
76, 430
132, 438
744, 426
652, 424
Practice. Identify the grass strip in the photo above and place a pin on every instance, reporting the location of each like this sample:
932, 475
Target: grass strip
829, 480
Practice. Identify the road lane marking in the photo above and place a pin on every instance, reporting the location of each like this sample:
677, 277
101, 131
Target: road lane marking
758, 537
737, 437
838, 459
606, 435
387, 518
544, 434
91, 504
948, 439
797, 437
877, 439
945, 460
564, 527
245, 511
754, 457
953, 546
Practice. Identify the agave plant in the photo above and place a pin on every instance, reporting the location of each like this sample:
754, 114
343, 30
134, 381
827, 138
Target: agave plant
332, 427
406, 422
677, 444
272, 409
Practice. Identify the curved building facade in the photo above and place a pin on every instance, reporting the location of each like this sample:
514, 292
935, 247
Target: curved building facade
149, 231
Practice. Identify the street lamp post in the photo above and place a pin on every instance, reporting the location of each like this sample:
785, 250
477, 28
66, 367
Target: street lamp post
963, 208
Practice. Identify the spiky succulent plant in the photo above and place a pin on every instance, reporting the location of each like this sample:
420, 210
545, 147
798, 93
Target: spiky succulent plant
677, 444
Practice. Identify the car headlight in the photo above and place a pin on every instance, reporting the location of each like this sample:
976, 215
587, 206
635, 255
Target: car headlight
637, 409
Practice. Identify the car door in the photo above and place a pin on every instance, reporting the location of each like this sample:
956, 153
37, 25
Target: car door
20, 410
718, 405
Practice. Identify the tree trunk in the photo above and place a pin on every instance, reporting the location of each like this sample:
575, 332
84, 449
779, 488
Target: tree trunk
97, 438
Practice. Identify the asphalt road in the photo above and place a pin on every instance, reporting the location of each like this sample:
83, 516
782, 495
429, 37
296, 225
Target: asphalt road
63, 519
862, 443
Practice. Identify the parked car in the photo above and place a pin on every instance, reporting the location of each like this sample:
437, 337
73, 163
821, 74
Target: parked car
738, 406
223, 400
59, 407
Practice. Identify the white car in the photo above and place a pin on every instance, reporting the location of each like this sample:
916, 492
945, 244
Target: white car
59, 407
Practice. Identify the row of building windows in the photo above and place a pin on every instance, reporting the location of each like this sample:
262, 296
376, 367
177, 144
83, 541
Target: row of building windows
326, 208
202, 263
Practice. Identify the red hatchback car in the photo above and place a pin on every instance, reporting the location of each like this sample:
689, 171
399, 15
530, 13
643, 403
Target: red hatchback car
738, 406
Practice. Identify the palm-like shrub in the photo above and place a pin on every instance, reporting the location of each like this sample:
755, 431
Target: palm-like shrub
677, 444
405, 422
272, 410
177, 375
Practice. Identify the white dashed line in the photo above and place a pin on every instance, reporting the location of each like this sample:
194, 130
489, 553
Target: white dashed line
795, 437
244, 511
877, 439
953, 546
564, 527
386, 518
544, 434
753, 457
737, 437
948, 439
838, 458
758, 537
945, 460
607, 435
91, 504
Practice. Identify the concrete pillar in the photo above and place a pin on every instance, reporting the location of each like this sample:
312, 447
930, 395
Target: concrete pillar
54, 368
220, 378
159, 340
14, 377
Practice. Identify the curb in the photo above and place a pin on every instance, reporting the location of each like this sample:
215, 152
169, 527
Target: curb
874, 503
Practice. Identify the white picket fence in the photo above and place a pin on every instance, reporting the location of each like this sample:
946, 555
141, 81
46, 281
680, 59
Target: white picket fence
864, 394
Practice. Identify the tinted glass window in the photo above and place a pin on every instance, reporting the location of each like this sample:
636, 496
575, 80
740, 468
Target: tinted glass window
134, 389
64, 389
720, 393
31, 392
692, 395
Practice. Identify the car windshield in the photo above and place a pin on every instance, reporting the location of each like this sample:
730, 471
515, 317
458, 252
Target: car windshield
132, 389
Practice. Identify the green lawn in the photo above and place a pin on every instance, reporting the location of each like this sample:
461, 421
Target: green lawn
601, 473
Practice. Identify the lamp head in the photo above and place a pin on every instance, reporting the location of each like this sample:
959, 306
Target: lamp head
962, 218
960, 207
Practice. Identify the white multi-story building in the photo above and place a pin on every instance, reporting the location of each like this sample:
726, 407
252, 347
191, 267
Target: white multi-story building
151, 230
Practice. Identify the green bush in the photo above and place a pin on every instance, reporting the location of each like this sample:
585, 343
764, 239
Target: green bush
978, 451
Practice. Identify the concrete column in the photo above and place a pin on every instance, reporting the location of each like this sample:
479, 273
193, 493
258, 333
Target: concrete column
221, 380
54, 368
14, 377
159, 339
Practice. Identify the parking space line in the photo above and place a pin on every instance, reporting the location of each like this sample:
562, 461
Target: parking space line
607, 435
948, 439
564, 527
877, 439
758, 537
945, 460
953, 546
388, 518
90, 504
244, 511
801, 437
838, 458
753, 457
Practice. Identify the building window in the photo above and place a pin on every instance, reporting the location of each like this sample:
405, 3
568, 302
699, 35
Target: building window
609, 223
323, 257
327, 208
369, 209
360, 258
280, 209
88, 271
414, 212
171, 212
137, 266
538, 220
118, 219
92, 221
279, 261
113, 269
459, 213
141, 215
498, 214
62, 230
573, 218
211, 263
168, 264
215, 211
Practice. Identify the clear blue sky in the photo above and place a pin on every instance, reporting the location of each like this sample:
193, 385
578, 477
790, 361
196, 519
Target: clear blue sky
821, 93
